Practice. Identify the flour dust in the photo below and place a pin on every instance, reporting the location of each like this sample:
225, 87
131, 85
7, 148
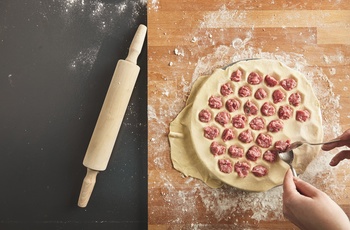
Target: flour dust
102, 16
224, 202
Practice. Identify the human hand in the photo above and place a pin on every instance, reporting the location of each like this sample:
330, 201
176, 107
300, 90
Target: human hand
309, 208
345, 154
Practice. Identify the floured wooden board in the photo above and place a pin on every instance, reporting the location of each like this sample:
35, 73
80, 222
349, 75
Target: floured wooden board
237, 120
187, 40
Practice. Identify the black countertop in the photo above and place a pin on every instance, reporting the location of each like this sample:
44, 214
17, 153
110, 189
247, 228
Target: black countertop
57, 58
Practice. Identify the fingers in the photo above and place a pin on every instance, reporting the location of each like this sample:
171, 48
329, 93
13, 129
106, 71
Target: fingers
305, 188
327, 147
346, 141
294, 186
345, 154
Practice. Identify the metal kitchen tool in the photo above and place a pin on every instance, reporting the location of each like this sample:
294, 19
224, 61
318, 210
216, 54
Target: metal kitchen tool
297, 144
248, 59
111, 116
288, 157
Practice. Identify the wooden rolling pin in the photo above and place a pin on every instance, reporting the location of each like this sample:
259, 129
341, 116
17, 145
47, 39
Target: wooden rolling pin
111, 116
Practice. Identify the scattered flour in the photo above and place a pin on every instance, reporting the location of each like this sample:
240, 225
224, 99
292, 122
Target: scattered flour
223, 18
10, 78
179, 52
268, 205
238, 43
332, 71
227, 204
85, 59
102, 16
154, 5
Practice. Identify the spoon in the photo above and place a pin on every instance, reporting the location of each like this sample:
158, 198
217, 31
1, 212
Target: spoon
288, 158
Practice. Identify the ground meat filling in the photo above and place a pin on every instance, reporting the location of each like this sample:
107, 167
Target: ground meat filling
294, 99
227, 135
277, 96
257, 123
239, 121
285, 112
302, 115
247, 120
235, 151
232, 105
223, 118
270, 156
254, 78
226, 89
264, 140
217, 149
260, 94
246, 136
242, 169
288, 84
244, 91
211, 132
282, 146
267, 109
250, 108
259, 171
275, 126
253, 153
236, 76
204, 116
215, 102
270, 81
225, 165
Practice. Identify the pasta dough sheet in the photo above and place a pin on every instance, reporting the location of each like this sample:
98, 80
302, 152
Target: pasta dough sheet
191, 143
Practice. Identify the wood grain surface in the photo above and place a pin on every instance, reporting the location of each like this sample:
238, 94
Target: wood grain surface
187, 39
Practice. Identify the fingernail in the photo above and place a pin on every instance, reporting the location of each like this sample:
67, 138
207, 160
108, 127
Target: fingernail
332, 163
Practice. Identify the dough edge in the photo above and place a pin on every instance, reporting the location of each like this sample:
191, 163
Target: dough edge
183, 151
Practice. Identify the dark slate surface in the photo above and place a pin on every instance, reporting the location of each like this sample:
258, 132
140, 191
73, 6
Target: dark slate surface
57, 58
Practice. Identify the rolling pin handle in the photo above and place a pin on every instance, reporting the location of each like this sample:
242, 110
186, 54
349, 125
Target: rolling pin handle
111, 115
136, 44
87, 187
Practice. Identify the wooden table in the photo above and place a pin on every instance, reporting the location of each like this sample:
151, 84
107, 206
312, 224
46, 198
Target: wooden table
187, 39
